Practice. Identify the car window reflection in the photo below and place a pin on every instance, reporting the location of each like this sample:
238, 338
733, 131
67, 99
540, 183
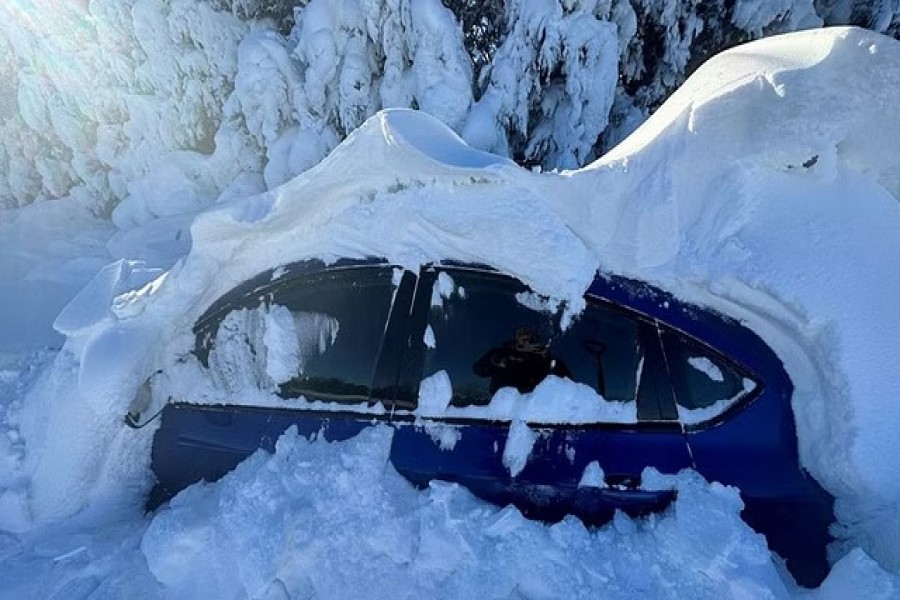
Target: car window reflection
487, 339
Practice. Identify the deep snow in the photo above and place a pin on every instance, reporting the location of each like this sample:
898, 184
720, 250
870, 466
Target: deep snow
767, 188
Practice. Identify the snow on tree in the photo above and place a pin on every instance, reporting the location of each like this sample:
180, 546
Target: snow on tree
152, 109
106, 90
341, 63
551, 83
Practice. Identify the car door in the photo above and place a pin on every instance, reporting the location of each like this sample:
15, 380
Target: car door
526, 435
313, 347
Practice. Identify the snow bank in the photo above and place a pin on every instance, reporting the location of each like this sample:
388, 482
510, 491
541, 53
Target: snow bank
327, 520
767, 188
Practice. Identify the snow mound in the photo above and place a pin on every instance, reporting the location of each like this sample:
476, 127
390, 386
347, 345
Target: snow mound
768, 187
328, 520
325, 520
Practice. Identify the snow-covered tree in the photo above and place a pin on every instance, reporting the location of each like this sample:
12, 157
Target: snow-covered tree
342, 62
550, 85
155, 108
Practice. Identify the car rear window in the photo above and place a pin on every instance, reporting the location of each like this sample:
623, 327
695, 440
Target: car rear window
706, 384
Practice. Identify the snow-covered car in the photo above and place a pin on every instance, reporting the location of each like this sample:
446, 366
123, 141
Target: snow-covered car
555, 409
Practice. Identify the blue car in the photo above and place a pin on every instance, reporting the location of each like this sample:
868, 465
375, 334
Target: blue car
660, 384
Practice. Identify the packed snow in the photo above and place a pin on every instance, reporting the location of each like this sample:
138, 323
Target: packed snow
699, 415
790, 225
553, 401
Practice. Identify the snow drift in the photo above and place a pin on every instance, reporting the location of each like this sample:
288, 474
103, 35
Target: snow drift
766, 188
334, 520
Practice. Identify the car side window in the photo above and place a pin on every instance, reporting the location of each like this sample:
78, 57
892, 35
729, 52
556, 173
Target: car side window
602, 349
705, 384
472, 335
489, 332
317, 335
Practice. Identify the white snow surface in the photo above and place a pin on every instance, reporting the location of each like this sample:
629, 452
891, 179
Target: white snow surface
593, 476
690, 416
767, 187
706, 366
518, 446
553, 401
334, 520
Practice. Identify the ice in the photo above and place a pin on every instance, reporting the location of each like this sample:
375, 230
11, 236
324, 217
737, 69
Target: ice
281, 340
519, 443
435, 393
554, 401
593, 476
706, 366
699, 415
316, 333
93, 304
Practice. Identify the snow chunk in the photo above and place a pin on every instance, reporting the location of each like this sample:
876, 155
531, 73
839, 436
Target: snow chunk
428, 338
706, 366
93, 303
435, 393
519, 443
445, 436
272, 524
857, 575
554, 401
443, 288
593, 476
537, 302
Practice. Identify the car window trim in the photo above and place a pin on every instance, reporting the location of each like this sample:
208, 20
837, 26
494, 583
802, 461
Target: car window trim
461, 421
315, 412
389, 362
